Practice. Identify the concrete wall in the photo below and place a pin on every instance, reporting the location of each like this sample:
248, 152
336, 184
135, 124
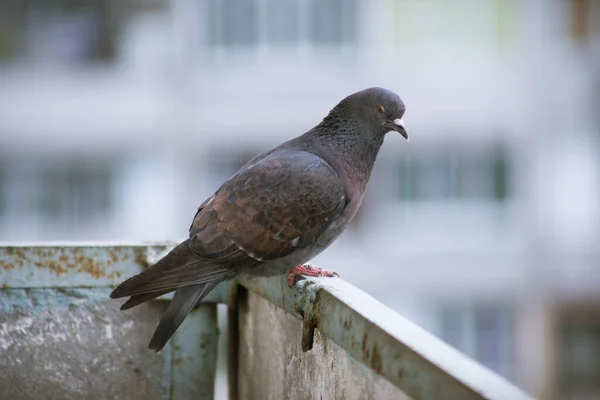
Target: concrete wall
75, 344
272, 364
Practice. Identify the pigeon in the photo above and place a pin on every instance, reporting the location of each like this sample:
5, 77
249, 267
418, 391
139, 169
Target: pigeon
281, 209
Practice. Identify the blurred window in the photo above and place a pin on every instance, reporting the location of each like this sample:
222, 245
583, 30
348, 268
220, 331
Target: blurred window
584, 20
474, 24
332, 21
77, 191
448, 173
252, 23
578, 367
11, 36
282, 21
483, 332
232, 23
59, 30
66, 31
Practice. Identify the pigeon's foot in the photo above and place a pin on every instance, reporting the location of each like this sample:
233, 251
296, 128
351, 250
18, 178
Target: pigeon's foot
308, 270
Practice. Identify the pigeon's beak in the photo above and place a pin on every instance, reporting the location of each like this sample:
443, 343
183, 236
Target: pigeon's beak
399, 124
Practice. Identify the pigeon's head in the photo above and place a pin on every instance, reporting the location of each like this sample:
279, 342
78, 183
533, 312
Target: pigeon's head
379, 109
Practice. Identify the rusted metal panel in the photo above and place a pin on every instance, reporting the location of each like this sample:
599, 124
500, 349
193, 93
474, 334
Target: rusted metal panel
80, 265
413, 360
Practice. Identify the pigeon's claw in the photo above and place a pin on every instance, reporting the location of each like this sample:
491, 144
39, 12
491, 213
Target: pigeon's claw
308, 270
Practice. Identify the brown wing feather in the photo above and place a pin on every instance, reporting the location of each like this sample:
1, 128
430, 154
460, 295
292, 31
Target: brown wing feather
279, 204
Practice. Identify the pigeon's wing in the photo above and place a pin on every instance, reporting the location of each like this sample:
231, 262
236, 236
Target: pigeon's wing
269, 209
279, 204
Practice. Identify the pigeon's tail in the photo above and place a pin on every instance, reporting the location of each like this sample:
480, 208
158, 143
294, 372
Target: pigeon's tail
142, 298
184, 300
181, 267
182, 271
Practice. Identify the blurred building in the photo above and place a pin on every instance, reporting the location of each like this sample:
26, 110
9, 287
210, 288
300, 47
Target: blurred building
118, 118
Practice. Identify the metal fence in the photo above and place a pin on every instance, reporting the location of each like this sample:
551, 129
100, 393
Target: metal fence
61, 337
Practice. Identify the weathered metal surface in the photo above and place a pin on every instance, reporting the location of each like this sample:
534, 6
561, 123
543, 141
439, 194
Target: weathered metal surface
76, 344
81, 265
272, 364
413, 360
195, 347
72, 265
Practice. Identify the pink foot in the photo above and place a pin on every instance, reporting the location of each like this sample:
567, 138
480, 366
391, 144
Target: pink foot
308, 270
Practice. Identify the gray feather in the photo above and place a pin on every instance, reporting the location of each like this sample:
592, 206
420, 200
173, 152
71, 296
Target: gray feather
184, 300
142, 298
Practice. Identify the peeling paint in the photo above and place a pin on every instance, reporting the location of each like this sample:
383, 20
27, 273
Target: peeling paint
73, 265
59, 261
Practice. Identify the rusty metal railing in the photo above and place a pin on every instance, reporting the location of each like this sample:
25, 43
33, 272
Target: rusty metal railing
418, 364
43, 284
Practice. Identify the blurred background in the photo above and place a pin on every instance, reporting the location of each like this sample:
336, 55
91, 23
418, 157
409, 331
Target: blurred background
118, 118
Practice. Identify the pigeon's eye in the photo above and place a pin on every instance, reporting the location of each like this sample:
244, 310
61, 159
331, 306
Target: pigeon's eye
380, 109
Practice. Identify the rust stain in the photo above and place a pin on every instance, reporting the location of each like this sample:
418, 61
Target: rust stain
91, 267
400, 374
114, 257
4, 286
284, 284
365, 348
316, 317
178, 361
376, 360
77, 261
372, 356
17, 255
140, 257
56, 267
6, 266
